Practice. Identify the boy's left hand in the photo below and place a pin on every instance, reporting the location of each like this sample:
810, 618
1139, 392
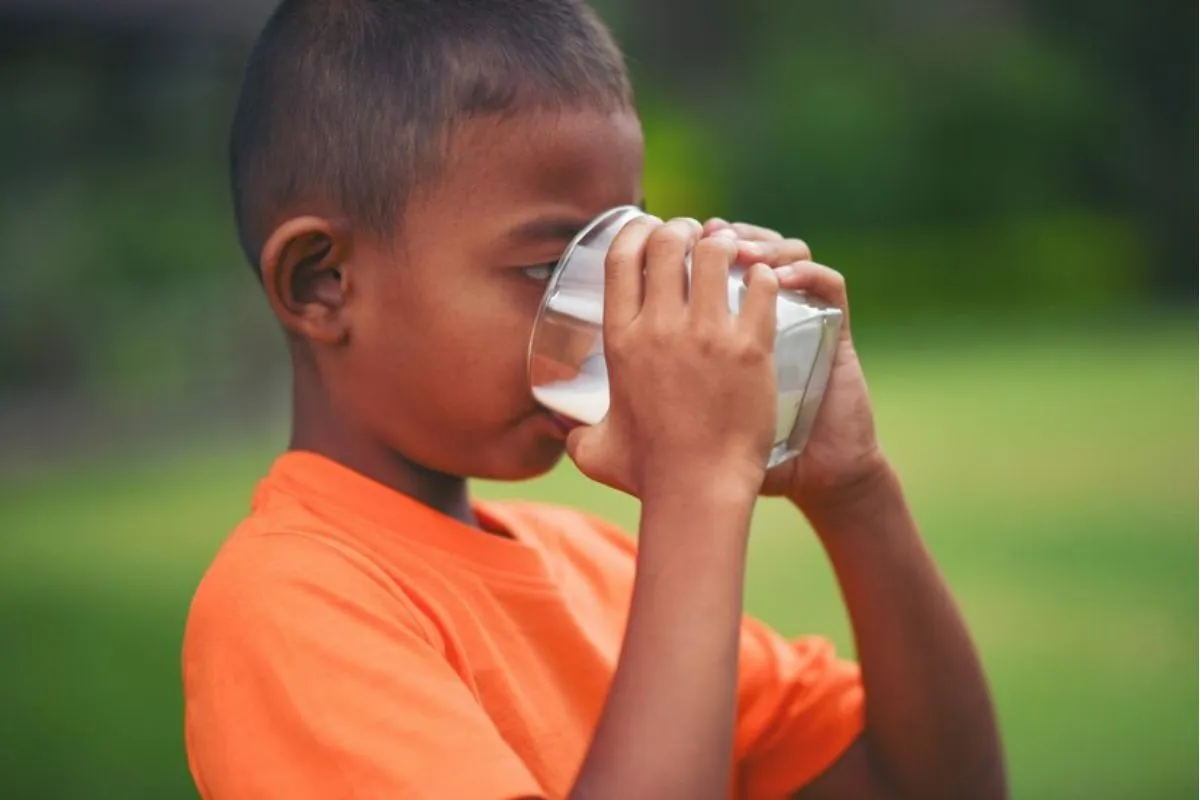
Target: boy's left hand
842, 453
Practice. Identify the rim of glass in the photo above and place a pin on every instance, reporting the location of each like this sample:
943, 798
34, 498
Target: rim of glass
552, 285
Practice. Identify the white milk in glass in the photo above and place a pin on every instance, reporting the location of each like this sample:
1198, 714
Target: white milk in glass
805, 338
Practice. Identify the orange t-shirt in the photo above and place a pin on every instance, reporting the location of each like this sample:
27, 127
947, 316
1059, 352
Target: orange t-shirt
348, 641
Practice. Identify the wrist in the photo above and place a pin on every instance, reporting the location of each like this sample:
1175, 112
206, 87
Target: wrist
873, 483
726, 481
870, 520
698, 511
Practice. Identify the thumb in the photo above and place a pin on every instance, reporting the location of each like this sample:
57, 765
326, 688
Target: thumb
578, 443
586, 446
590, 448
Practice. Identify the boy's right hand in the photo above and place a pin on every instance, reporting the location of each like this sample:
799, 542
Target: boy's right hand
692, 386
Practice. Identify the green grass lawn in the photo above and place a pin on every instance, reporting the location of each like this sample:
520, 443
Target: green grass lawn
1055, 479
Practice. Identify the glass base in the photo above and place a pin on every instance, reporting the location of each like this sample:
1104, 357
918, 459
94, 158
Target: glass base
780, 453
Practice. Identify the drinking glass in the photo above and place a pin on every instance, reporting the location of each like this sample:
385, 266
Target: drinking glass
567, 370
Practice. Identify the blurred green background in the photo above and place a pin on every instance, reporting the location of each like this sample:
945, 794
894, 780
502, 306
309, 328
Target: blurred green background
1007, 186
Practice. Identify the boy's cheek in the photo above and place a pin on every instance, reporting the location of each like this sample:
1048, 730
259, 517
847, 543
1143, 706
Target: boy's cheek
561, 348
550, 370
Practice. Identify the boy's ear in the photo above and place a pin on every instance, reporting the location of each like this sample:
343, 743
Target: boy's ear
305, 276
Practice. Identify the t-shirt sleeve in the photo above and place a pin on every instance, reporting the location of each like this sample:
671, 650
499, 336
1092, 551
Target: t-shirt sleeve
307, 676
799, 708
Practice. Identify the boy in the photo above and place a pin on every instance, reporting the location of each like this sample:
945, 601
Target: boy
404, 171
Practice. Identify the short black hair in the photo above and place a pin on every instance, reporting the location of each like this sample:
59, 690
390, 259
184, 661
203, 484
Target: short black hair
352, 103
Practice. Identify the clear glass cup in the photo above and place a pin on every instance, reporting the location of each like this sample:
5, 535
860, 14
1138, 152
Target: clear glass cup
568, 374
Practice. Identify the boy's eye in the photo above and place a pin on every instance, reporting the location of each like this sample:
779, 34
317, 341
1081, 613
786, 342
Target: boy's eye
540, 272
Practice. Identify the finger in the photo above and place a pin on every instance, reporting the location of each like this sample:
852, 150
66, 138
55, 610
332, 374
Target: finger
758, 308
715, 224
585, 446
590, 449
666, 271
581, 445
623, 273
755, 232
775, 253
710, 278
816, 280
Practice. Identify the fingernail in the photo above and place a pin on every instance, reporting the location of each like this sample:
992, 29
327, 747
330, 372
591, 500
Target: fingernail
726, 233
785, 272
750, 248
757, 268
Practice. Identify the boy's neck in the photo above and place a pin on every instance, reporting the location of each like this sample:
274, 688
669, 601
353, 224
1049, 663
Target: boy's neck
315, 430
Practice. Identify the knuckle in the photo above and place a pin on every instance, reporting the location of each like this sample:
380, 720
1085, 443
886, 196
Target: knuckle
765, 281
636, 231
751, 352
653, 328
716, 248
671, 235
615, 346
619, 345
612, 261
659, 335
757, 232
706, 337
628, 242
620, 253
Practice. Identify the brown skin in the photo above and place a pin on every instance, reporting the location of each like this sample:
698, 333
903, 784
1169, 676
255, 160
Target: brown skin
409, 354
931, 730
409, 367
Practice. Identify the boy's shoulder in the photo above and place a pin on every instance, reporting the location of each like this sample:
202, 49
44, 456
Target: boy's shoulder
287, 566
305, 492
296, 541
286, 577
288, 535
277, 549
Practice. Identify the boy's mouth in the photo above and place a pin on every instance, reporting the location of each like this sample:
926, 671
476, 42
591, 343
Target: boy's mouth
564, 424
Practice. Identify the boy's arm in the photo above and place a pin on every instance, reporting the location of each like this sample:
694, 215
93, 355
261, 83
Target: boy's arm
667, 726
688, 431
930, 729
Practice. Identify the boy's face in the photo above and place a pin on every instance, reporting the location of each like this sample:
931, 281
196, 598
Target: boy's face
435, 363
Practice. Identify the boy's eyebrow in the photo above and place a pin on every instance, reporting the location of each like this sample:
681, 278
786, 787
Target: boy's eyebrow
551, 228
541, 229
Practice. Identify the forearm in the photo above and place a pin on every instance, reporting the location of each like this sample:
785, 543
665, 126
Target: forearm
667, 726
930, 727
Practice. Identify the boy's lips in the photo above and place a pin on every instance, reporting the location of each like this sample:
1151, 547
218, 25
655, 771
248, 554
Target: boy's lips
564, 424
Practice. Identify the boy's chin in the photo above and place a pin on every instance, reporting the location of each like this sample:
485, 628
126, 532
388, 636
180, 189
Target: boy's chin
540, 458
529, 458
537, 448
